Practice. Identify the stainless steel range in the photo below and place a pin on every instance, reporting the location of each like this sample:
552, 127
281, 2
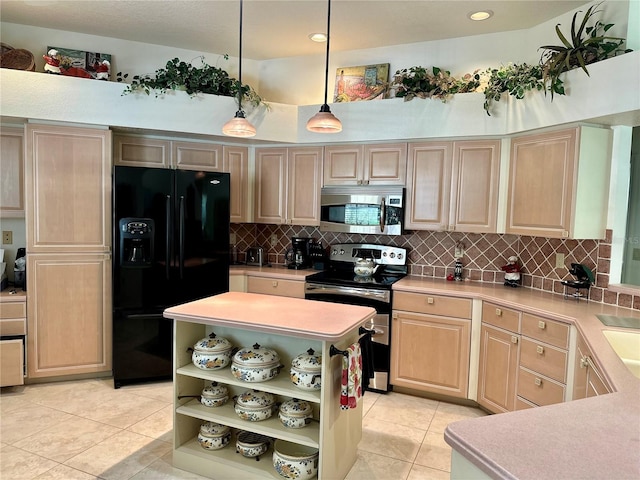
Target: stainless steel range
339, 284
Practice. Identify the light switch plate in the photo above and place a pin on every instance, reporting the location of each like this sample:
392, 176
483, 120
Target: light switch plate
274, 240
559, 260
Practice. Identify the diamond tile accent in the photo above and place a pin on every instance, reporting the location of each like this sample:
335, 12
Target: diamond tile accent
430, 254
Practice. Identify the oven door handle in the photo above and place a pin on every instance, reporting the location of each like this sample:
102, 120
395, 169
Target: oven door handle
383, 295
383, 214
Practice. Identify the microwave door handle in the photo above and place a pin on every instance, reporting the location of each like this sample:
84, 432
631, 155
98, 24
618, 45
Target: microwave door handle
167, 255
383, 215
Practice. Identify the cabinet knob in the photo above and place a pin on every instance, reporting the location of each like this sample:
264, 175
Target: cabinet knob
274, 284
514, 339
542, 324
498, 312
538, 381
540, 349
430, 300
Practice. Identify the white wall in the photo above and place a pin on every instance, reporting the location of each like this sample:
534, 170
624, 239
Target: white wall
300, 80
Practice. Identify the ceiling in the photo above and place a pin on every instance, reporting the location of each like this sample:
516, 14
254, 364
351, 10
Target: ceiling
278, 29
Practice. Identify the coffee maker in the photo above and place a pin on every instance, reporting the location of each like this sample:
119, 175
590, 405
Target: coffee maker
298, 256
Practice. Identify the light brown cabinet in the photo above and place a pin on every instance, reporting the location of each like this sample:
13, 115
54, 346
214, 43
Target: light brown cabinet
235, 162
559, 183
141, 151
275, 286
206, 157
369, 164
287, 185
13, 328
453, 186
588, 380
12, 168
431, 343
68, 199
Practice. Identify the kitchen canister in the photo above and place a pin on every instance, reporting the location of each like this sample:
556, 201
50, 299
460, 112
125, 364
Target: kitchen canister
305, 370
212, 352
254, 405
214, 436
251, 444
294, 461
214, 395
295, 413
255, 364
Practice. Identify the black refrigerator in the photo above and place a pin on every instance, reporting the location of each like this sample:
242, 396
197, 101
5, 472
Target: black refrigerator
170, 246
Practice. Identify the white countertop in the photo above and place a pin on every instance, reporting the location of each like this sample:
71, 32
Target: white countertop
593, 438
272, 314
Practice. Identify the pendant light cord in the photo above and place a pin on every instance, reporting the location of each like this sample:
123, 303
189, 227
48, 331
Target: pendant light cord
326, 68
240, 63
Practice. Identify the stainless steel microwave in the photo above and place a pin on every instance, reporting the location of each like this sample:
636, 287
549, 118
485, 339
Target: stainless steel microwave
366, 209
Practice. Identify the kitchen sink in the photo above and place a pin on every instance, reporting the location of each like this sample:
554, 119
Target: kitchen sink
626, 344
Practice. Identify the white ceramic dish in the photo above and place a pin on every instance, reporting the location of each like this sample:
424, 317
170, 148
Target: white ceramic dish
294, 461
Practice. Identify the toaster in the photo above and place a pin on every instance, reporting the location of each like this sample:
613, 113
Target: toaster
256, 256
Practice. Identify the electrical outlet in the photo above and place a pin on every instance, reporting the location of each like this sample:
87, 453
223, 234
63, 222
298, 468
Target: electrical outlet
274, 240
559, 260
459, 250
232, 238
7, 237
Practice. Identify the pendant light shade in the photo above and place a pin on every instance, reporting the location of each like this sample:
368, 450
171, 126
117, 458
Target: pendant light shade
324, 121
239, 126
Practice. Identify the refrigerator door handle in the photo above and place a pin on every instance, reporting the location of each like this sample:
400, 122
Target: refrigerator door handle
181, 237
167, 255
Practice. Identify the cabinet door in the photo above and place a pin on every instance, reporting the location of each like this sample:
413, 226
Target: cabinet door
270, 185
11, 362
68, 314
197, 156
304, 178
498, 369
587, 380
12, 168
68, 189
430, 353
474, 187
343, 165
428, 185
141, 152
236, 163
385, 164
541, 183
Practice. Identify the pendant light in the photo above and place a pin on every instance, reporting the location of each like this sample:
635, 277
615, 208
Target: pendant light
239, 126
324, 121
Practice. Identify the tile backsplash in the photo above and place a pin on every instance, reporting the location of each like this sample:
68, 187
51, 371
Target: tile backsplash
431, 254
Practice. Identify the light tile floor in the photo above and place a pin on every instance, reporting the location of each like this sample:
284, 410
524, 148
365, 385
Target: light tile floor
86, 429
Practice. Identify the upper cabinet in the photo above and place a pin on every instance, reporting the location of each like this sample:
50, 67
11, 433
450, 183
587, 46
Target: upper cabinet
559, 183
12, 168
197, 156
453, 186
370, 164
235, 161
287, 185
141, 151
69, 189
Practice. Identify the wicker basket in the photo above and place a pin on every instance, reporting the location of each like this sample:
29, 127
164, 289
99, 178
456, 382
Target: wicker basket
18, 59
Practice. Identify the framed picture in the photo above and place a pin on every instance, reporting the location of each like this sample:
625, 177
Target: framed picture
77, 63
366, 82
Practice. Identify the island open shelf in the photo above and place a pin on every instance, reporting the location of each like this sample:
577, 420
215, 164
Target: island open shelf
290, 326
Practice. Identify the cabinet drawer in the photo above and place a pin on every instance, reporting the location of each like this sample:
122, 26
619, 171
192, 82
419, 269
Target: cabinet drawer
432, 304
13, 309
270, 286
545, 330
522, 404
11, 362
501, 317
545, 359
538, 389
13, 326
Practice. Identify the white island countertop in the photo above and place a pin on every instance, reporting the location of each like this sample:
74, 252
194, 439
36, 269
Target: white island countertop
272, 314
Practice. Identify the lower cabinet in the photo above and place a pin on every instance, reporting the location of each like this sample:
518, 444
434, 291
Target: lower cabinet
334, 433
523, 360
13, 328
588, 381
275, 286
69, 314
430, 344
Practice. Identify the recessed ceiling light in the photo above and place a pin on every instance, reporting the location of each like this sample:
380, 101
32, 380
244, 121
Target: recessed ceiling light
318, 37
481, 15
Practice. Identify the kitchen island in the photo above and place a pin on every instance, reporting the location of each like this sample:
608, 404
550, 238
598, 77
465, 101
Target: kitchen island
291, 327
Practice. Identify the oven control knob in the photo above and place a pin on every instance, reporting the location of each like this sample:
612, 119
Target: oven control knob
334, 252
399, 256
342, 251
392, 255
